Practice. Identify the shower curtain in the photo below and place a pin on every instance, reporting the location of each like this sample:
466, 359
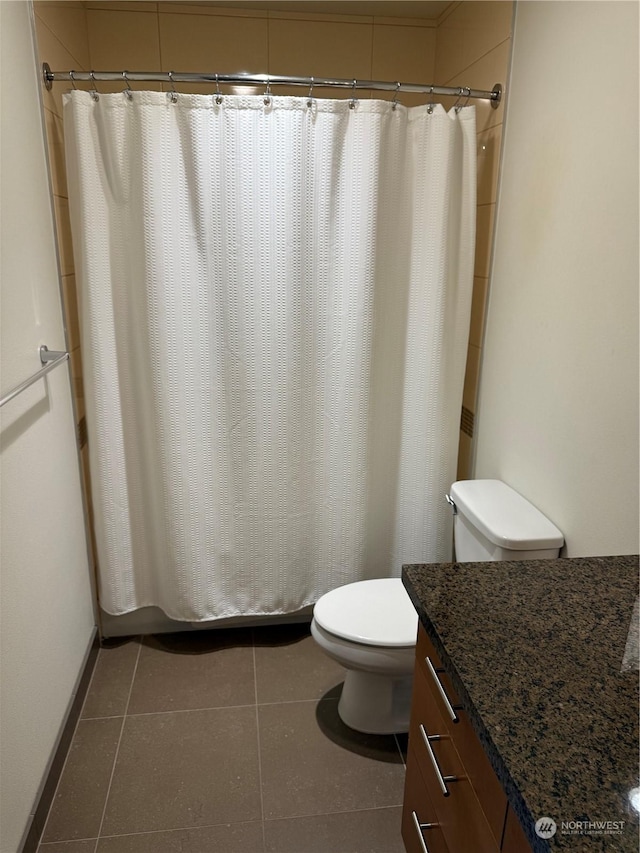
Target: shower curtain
274, 303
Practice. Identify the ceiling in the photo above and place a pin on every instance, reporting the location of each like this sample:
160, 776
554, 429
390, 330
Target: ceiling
428, 9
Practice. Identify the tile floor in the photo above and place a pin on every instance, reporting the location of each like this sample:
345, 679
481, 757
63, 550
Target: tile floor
223, 741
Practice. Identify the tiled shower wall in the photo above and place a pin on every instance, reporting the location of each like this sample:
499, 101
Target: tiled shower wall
62, 40
468, 46
473, 49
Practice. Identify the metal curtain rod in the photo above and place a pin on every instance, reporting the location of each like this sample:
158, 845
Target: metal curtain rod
50, 359
50, 77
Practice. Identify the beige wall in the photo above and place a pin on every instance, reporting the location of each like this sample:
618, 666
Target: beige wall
46, 614
473, 46
558, 413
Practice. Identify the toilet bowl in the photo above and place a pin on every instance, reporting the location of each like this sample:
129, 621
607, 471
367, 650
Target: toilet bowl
370, 628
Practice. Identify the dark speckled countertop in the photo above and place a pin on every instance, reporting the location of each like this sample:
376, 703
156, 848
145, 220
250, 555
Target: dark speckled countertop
534, 649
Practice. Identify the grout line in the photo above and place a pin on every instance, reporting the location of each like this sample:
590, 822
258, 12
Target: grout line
61, 43
320, 17
189, 710
106, 717
372, 94
447, 12
157, 13
485, 54
135, 670
240, 822
298, 701
115, 757
268, 72
395, 737
255, 687
180, 829
255, 669
499, 122
215, 707
344, 811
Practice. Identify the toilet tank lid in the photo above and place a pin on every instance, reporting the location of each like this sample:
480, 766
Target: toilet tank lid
504, 516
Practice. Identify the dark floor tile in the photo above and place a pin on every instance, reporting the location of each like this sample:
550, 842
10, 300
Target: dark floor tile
111, 682
290, 666
185, 769
313, 764
367, 831
228, 838
85, 846
197, 669
77, 807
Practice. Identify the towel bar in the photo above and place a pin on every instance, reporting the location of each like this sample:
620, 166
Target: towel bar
50, 358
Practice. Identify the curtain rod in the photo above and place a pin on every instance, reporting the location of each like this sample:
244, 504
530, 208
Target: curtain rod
50, 77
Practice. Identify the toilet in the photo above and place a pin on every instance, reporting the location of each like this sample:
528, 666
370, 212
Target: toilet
370, 627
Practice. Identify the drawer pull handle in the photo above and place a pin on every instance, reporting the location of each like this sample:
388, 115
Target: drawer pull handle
419, 827
434, 672
442, 780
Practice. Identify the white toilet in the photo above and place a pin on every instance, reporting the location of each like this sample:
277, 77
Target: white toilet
370, 627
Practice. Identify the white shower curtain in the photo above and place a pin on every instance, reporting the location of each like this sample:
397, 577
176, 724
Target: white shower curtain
275, 305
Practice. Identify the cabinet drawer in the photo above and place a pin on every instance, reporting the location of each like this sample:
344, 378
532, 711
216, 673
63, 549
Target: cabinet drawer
418, 810
477, 766
456, 806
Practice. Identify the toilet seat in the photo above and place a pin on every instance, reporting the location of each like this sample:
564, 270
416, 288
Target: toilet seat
373, 612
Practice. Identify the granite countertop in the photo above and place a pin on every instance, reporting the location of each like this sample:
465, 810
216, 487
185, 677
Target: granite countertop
534, 650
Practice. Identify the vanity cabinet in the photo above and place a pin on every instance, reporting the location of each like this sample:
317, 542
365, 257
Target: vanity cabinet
453, 800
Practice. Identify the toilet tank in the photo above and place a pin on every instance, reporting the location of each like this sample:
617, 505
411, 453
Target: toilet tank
494, 522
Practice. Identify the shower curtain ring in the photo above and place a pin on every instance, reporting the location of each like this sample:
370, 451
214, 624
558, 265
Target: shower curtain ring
430, 106
394, 103
73, 79
218, 95
310, 95
267, 94
127, 91
94, 92
353, 101
458, 106
172, 95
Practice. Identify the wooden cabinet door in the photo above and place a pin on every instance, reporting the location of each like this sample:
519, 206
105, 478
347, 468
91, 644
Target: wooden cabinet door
514, 841
420, 831
477, 766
